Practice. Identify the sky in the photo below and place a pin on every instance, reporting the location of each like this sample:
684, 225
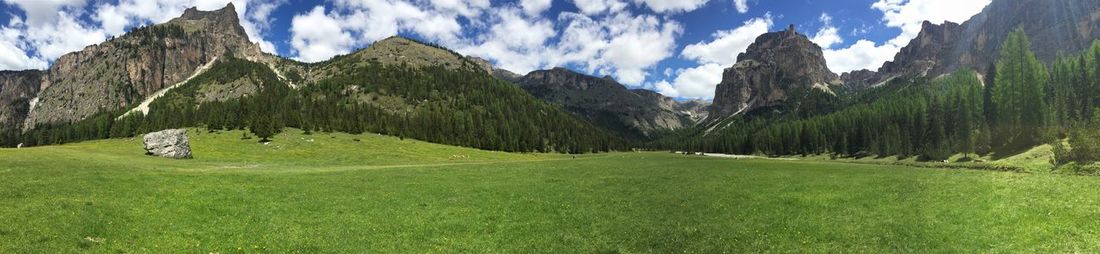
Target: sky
676, 47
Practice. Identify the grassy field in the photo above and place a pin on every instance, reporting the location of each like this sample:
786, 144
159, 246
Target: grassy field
331, 193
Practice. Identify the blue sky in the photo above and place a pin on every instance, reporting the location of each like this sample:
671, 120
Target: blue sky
676, 47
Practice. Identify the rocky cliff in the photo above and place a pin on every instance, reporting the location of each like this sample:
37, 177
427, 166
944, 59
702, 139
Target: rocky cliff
773, 66
1053, 26
120, 72
17, 92
606, 103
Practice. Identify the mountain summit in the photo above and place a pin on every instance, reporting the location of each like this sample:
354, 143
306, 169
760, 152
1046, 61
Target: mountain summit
116, 74
766, 74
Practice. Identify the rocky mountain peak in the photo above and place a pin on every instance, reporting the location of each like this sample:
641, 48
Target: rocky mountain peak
220, 20
772, 66
121, 72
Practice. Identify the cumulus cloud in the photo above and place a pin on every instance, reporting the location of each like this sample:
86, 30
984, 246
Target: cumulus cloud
48, 29
622, 45
712, 57
535, 7
663, 6
725, 46
318, 36
591, 7
515, 42
906, 15
695, 82
828, 35
741, 5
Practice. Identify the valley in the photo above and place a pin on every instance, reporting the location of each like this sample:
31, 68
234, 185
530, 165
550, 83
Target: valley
330, 193
192, 133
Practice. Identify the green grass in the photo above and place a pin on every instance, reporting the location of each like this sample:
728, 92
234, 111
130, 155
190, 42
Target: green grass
381, 194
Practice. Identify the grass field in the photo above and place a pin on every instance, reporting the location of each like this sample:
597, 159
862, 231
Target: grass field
331, 193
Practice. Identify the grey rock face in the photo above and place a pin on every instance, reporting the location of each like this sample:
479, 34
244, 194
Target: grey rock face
168, 143
775, 64
17, 91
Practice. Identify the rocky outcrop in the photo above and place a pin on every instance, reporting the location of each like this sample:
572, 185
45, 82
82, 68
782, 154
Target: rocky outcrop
120, 72
496, 72
18, 90
168, 143
924, 55
1053, 26
695, 109
635, 113
776, 64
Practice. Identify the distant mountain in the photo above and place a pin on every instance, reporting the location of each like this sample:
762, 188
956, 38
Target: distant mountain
778, 69
1055, 27
635, 113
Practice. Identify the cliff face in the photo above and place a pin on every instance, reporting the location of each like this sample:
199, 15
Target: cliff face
606, 103
116, 74
1053, 26
17, 91
774, 65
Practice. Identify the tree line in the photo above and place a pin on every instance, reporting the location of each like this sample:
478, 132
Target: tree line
1019, 105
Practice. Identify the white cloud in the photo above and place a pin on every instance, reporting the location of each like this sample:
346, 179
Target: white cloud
863, 54
12, 55
828, 35
41, 12
712, 58
728, 43
535, 7
591, 7
621, 45
696, 82
49, 30
741, 5
318, 36
906, 15
662, 6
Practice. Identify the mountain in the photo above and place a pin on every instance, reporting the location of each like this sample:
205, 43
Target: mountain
635, 113
1055, 27
775, 68
123, 71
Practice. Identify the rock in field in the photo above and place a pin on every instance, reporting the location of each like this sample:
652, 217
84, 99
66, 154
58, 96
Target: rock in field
168, 143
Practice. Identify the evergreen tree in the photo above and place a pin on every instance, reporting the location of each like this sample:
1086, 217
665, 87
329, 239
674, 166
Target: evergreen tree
1019, 94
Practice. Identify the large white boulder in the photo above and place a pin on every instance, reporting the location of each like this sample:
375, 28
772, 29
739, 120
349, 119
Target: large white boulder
168, 143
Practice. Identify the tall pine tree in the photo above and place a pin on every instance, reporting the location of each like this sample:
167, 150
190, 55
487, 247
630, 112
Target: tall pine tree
1019, 94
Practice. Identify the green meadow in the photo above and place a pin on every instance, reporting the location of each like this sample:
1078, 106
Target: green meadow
368, 193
